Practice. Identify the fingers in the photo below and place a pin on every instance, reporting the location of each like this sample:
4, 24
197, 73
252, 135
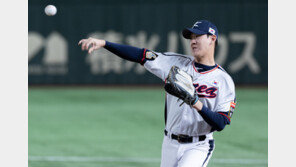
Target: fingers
81, 41
89, 44
84, 43
90, 50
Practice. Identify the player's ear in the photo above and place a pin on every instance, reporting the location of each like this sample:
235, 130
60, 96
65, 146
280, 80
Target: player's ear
213, 38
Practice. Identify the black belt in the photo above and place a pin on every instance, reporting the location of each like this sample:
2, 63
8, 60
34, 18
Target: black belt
185, 138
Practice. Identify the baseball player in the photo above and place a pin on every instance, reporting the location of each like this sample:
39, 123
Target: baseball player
200, 96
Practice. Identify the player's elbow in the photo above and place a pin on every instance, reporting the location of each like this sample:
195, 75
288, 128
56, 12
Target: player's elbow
220, 127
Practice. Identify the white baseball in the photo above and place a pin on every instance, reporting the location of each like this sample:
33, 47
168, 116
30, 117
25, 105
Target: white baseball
50, 10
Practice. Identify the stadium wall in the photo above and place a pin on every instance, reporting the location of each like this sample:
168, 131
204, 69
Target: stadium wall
55, 58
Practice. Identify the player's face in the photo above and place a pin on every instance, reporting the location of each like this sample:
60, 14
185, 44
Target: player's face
200, 45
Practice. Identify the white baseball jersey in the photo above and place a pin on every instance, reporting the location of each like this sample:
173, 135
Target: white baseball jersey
215, 89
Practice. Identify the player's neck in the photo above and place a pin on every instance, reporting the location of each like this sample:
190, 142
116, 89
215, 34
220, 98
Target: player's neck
207, 60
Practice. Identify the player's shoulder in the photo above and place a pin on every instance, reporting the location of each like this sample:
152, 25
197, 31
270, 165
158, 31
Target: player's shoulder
178, 55
180, 58
224, 76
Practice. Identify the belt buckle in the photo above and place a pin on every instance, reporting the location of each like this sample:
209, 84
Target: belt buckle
181, 136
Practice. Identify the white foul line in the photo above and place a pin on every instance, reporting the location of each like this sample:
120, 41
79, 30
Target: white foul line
138, 160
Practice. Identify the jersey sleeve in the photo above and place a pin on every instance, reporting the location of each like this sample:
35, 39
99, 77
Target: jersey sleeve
226, 98
161, 63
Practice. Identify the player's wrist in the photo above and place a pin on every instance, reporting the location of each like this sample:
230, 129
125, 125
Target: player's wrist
193, 102
104, 43
198, 105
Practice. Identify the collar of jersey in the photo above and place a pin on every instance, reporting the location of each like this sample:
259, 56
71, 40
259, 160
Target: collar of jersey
203, 69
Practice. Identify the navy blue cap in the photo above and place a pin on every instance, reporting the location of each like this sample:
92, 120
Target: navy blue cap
199, 28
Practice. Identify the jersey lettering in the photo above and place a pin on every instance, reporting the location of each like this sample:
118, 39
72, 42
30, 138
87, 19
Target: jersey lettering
205, 92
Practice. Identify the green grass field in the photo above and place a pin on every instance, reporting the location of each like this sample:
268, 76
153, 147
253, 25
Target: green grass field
108, 127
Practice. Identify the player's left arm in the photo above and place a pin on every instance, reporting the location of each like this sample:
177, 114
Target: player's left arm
179, 84
218, 120
221, 117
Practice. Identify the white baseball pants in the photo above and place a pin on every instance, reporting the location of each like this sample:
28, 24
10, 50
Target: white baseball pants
175, 154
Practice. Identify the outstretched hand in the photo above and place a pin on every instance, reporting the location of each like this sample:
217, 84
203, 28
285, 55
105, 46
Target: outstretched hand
91, 44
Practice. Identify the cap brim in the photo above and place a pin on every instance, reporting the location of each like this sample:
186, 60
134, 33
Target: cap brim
188, 31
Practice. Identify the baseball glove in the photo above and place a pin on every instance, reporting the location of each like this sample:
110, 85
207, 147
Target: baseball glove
179, 84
